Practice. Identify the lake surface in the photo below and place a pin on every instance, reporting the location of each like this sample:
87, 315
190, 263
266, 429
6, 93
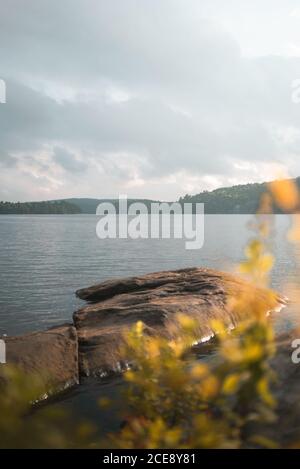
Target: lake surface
44, 259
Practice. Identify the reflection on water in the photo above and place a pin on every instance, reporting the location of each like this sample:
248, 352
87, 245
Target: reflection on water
44, 259
81, 404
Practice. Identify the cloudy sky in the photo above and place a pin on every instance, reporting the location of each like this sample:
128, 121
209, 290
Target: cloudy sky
150, 98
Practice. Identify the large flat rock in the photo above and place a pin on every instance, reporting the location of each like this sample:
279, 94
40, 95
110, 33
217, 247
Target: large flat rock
156, 299
51, 354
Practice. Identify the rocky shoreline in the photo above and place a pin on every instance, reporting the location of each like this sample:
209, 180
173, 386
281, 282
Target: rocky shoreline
91, 345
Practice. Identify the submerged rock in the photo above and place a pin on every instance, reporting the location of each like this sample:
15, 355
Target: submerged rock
52, 355
156, 299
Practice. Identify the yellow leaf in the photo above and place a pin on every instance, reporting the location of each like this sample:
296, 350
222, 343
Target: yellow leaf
231, 383
198, 371
285, 193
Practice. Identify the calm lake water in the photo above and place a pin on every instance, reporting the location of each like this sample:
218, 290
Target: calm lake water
44, 259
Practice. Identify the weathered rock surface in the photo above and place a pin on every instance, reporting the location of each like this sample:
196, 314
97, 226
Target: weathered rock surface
155, 299
51, 354
92, 345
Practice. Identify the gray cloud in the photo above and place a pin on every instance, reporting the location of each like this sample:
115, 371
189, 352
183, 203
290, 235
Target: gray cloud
68, 160
138, 96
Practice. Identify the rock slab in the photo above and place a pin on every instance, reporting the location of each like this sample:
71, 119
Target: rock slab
51, 354
156, 299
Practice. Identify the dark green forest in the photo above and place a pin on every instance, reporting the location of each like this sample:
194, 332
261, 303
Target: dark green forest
65, 206
38, 208
241, 199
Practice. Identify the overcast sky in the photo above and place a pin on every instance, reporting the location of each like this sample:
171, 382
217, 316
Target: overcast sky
150, 98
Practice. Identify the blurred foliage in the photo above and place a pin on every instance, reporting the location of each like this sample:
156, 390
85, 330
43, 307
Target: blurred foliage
179, 402
223, 403
22, 428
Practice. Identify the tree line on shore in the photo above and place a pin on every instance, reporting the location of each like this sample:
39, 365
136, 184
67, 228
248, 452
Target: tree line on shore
240, 199
38, 208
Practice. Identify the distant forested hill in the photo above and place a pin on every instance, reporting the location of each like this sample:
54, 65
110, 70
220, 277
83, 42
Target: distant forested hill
38, 208
64, 206
90, 205
243, 199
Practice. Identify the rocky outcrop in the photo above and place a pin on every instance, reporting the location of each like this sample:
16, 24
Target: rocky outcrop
93, 344
51, 354
156, 299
